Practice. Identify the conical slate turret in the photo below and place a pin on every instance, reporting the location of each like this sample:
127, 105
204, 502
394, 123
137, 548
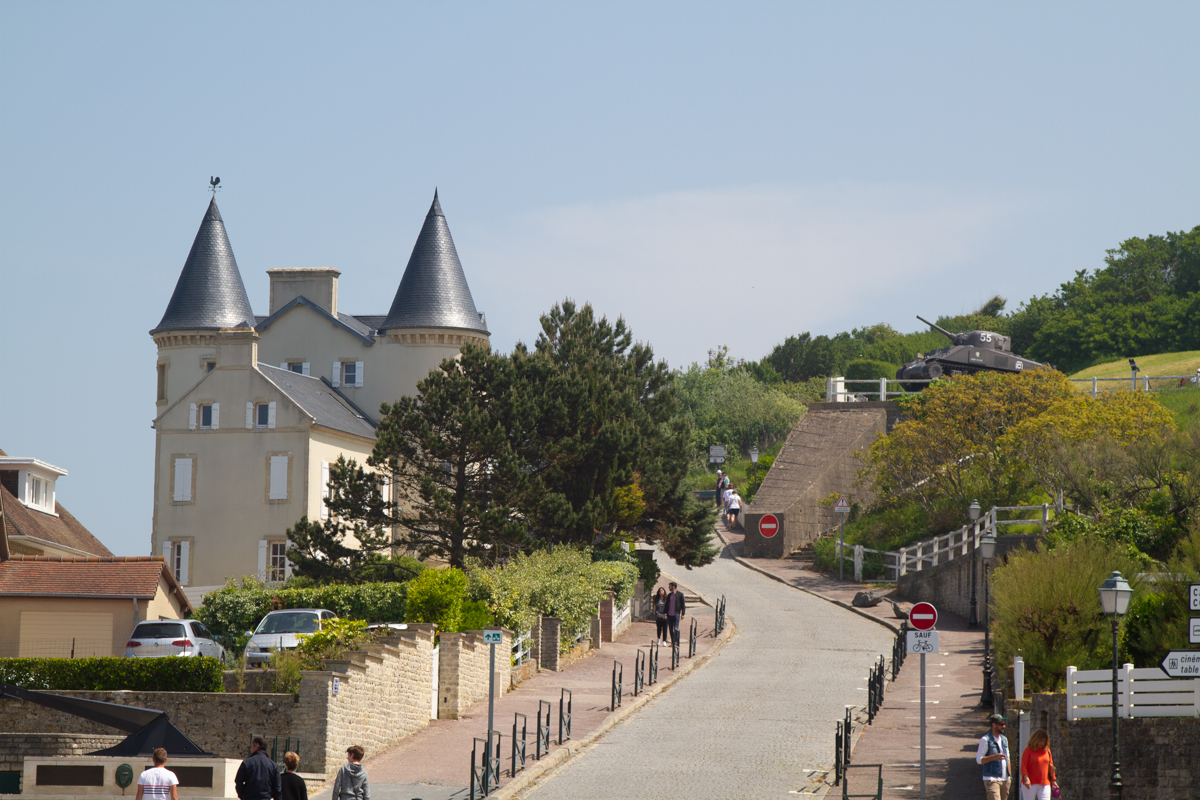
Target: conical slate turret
210, 293
433, 292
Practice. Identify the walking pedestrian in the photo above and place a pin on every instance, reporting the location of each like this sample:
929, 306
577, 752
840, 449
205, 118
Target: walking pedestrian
660, 615
158, 782
676, 608
351, 781
1037, 768
725, 495
294, 787
735, 508
992, 753
720, 485
258, 778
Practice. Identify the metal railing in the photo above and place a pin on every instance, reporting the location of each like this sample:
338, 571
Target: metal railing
618, 685
639, 672
899, 650
876, 681
518, 743
719, 616
836, 391
543, 729
522, 648
692, 636
877, 794
485, 771
564, 715
652, 676
1161, 382
842, 745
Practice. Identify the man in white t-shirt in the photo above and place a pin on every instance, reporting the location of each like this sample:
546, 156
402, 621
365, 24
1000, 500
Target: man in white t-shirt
158, 782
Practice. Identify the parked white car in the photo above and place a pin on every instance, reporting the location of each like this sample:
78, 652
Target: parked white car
172, 637
281, 629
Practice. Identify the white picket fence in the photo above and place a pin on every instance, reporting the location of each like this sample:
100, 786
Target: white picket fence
1140, 693
929, 553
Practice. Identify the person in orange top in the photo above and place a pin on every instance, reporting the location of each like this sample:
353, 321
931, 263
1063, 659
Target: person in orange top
1037, 768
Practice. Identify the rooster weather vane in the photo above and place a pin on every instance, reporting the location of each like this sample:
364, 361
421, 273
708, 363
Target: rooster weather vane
214, 184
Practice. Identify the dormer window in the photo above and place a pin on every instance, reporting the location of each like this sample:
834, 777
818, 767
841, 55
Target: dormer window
30, 481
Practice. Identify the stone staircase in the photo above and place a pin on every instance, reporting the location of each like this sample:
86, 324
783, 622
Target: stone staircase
803, 556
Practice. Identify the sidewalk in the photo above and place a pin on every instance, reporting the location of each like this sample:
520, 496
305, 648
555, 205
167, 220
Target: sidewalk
435, 763
954, 678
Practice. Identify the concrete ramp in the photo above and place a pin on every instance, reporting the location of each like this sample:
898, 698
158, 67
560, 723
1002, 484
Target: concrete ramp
817, 460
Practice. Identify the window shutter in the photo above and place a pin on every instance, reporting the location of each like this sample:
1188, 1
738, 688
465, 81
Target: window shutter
358, 365
183, 563
324, 489
337, 374
279, 478
183, 480
216, 414
283, 365
271, 414
192, 417
167, 553
262, 559
249, 416
305, 368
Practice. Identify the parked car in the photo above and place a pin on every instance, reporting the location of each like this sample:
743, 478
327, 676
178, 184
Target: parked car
172, 637
281, 629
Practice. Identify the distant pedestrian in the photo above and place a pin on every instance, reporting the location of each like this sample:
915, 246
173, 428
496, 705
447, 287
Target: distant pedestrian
1037, 768
660, 615
992, 753
258, 777
351, 781
735, 508
721, 479
725, 495
294, 787
676, 608
158, 782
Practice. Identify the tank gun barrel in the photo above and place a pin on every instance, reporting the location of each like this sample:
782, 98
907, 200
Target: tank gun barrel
950, 335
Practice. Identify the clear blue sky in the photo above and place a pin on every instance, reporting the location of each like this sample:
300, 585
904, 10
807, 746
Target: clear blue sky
717, 174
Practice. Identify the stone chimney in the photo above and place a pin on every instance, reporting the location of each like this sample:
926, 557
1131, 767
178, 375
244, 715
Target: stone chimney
317, 284
237, 348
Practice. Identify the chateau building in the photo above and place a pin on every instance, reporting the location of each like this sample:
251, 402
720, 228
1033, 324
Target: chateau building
252, 410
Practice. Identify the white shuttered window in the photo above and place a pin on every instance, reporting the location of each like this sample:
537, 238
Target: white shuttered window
358, 373
216, 416
192, 416
271, 414
279, 478
249, 416
336, 377
183, 480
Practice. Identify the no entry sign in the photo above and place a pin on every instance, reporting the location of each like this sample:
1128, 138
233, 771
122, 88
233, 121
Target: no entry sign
768, 526
923, 616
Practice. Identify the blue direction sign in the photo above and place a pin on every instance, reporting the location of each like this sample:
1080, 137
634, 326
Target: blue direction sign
1182, 664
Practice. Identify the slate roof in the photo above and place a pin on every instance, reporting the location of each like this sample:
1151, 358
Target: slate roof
433, 292
113, 576
327, 406
65, 530
209, 294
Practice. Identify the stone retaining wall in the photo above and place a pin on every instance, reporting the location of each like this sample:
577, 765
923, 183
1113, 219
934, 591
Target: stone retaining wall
948, 585
15, 746
463, 676
1160, 756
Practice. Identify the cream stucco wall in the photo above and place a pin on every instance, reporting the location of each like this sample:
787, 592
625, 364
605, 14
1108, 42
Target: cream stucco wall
230, 510
184, 354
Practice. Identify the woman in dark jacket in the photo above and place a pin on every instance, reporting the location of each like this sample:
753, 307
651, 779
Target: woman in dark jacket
660, 615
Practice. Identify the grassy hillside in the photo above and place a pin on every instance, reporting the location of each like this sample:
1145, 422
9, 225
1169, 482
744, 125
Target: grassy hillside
1185, 403
1162, 364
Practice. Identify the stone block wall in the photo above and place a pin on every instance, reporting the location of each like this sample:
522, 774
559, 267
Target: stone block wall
948, 585
463, 676
1160, 756
609, 609
549, 636
15, 746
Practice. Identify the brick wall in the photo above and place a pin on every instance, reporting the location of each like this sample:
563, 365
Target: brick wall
1160, 756
549, 635
609, 609
463, 676
15, 746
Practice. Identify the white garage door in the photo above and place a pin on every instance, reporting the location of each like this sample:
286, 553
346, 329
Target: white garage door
54, 634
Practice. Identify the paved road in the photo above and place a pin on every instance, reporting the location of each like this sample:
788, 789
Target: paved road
749, 723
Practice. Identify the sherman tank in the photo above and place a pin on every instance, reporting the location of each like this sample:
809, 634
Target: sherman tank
973, 351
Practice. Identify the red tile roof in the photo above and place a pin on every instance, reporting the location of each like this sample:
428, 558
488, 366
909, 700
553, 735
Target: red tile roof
113, 576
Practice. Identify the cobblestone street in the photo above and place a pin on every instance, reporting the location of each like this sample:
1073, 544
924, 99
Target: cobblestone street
753, 720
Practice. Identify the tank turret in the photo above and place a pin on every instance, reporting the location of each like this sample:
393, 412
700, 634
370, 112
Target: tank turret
969, 352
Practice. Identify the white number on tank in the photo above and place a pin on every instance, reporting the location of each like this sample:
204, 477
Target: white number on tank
985, 337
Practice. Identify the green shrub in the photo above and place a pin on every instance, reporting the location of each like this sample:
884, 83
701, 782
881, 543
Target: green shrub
437, 595
287, 665
648, 570
619, 576
475, 616
1046, 608
864, 369
230, 611
335, 638
109, 674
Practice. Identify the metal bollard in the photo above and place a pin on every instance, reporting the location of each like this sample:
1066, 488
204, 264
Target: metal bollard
639, 672
618, 680
837, 755
653, 677
674, 655
543, 729
518, 743
692, 637
564, 716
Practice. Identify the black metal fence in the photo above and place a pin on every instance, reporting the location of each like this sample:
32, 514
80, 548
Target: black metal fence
543, 728
564, 715
692, 631
618, 681
719, 616
520, 725
639, 672
876, 793
842, 743
652, 677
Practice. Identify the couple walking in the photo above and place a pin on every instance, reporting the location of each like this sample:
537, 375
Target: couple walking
1037, 764
669, 608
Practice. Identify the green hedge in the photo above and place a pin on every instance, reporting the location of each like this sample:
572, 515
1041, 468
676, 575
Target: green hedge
865, 369
235, 609
199, 674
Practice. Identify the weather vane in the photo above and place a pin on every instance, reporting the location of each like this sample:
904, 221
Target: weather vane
214, 184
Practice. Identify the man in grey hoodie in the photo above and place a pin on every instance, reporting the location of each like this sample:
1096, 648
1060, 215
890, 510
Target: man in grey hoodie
351, 780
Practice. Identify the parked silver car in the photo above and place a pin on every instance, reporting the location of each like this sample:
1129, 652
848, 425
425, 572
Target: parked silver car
172, 637
281, 629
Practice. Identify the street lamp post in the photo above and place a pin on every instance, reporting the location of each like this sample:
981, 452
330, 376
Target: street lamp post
754, 460
1114, 600
974, 511
987, 548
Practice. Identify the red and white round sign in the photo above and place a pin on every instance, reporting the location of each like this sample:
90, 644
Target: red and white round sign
768, 525
923, 616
